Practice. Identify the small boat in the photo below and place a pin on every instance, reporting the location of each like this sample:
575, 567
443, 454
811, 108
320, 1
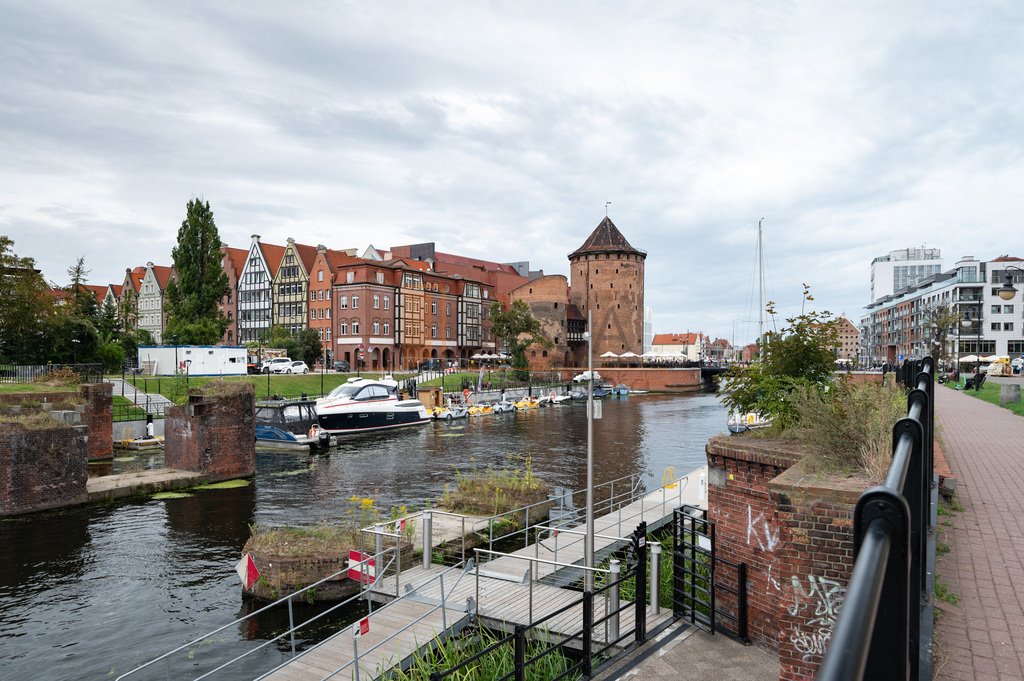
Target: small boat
739, 423
527, 403
140, 443
290, 425
503, 407
449, 413
578, 395
621, 390
481, 409
601, 391
366, 404
560, 399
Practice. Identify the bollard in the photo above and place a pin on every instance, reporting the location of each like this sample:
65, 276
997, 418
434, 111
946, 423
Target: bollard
378, 549
427, 523
655, 577
613, 619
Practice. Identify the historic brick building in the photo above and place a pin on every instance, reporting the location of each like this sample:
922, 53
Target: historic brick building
548, 300
607, 281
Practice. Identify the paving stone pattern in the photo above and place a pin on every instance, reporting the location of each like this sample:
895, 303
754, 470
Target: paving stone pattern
982, 636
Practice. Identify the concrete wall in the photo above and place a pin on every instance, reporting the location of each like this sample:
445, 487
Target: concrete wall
215, 433
41, 468
795, 533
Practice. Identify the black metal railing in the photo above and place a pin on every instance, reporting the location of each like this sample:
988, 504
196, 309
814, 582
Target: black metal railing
884, 628
28, 373
589, 654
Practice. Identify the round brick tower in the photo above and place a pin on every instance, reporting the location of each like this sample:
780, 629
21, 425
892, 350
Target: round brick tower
607, 280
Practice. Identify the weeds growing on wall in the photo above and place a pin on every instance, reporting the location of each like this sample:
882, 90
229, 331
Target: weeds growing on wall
849, 427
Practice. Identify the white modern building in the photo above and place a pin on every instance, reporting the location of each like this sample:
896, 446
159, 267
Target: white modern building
902, 268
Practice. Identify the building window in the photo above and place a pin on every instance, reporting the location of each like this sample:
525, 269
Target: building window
312, 294
350, 277
433, 307
1008, 309
328, 313
328, 333
320, 294
355, 302
320, 275
387, 302
343, 302
448, 332
376, 328
376, 301
387, 329
1008, 326
380, 277
433, 330
342, 328
355, 327
995, 326
996, 309
448, 309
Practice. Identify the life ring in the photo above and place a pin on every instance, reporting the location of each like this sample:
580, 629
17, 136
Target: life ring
314, 431
465, 394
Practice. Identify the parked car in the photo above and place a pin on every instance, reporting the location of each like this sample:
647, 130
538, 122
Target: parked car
342, 366
289, 367
270, 366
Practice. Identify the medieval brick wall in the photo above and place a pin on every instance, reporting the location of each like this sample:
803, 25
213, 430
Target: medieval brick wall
41, 468
98, 418
660, 380
215, 433
795, 533
548, 299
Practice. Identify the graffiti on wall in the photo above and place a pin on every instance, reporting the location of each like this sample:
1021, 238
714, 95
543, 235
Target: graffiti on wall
819, 605
758, 527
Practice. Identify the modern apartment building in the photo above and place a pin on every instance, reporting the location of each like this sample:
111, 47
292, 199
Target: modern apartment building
901, 325
902, 268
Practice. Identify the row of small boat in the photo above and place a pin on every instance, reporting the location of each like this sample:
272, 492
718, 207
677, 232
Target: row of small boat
458, 411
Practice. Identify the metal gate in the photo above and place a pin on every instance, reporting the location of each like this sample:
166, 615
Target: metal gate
693, 578
708, 591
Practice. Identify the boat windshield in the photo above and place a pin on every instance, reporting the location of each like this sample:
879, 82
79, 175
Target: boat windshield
345, 390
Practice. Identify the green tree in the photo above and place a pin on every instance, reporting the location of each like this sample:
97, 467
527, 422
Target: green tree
81, 300
941, 321
193, 313
107, 323
26, 308
112, 356
518, 329
802, 354
308, 347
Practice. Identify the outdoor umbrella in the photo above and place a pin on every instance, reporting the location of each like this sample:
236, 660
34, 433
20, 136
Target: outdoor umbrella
608, 355
969, 358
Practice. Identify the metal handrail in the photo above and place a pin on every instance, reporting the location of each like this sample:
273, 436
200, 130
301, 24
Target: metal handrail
287, 599
878, 631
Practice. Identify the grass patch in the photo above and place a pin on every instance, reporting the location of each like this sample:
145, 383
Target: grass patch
8, 388
322, 539
990, 393
38, 420
123, 409
492, 491
226, 484
941, 548
848, 428
949, 507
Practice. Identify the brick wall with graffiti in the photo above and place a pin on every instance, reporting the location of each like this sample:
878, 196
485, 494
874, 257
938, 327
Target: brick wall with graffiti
795, 532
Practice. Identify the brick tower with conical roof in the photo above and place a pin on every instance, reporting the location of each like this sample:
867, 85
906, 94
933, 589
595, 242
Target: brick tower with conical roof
607, 280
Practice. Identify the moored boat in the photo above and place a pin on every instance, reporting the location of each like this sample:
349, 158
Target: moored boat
289, 424
368, 404
739, 423
449, 413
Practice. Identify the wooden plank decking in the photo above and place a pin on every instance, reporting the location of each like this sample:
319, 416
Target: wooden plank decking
506, 596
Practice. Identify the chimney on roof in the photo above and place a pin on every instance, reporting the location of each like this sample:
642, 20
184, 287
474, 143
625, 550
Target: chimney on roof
255, 237
320, 248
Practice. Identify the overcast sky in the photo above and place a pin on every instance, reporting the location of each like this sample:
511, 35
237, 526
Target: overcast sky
499, 130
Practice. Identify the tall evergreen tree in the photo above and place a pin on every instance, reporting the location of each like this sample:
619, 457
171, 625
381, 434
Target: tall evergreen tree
82, 301
193, 314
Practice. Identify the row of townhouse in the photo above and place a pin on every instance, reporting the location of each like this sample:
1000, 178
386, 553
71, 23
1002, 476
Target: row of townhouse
393, 307
392, 311
902, 325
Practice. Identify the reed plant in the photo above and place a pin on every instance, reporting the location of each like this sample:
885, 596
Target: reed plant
497, 663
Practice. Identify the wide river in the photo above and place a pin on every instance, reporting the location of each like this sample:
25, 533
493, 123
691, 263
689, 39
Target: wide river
91, 592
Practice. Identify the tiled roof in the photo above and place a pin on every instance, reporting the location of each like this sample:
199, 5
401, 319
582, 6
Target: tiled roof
574, 313
606, 238
486, 265
163, 275
676, 339
1007, 258
135, 277
236, 256
273, 255
307, 254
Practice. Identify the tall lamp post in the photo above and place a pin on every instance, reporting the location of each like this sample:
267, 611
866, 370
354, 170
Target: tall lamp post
588, 545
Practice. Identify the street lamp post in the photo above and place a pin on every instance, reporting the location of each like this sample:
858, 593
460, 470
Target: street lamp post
588, 546
74, 350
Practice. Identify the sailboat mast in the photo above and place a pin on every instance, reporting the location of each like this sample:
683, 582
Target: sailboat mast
760, 293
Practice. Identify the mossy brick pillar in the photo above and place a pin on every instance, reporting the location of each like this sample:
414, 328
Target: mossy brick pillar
41, 467
214, 433
815, 560
747, 529
98, 418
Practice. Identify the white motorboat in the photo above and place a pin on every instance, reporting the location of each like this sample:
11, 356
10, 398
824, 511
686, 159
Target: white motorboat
367, 404
739, 423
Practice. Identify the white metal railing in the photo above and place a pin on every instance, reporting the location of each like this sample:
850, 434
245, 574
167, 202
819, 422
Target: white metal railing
189, 647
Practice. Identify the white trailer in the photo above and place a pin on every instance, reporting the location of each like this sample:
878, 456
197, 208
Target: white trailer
195, 360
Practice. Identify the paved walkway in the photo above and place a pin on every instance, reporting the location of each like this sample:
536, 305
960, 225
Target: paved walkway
153, 403
982, 636
693, 654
